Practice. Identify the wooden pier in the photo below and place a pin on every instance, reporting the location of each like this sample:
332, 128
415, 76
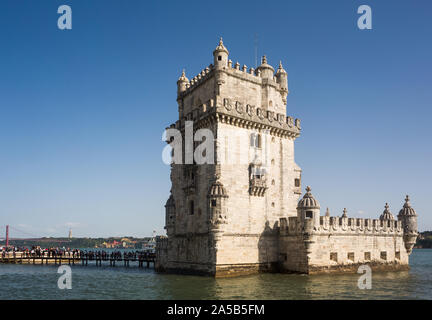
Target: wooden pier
72, 258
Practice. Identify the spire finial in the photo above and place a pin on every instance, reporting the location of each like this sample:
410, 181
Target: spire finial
386, 206
407, 199
327, 212
183, 77
308, 189
280, 64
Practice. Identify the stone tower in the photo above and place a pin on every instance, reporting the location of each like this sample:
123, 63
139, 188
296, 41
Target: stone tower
222, 217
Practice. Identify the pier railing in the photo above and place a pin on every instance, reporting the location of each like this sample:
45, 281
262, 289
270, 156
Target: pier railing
76, 257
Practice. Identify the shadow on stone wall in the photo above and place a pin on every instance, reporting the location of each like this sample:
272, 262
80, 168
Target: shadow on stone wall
268, 248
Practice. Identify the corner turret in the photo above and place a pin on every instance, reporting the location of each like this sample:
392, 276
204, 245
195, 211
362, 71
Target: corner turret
265, 69
181, 83
386, 215
308, 208
170, 215
282, 77
408, 217
220, 55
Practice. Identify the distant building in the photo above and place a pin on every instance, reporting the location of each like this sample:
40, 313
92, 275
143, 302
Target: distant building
70, 233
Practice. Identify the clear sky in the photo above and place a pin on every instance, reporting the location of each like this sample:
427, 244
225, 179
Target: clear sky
82, 111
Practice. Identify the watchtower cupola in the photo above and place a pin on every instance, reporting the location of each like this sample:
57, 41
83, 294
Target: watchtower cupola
308, 207
266, 70
282, 77
220, 55
182, 82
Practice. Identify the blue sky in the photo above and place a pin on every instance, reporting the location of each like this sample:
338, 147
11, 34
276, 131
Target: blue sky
82, 111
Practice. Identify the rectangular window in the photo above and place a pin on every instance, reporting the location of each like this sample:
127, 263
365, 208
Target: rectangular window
213, 203
397, 255
383, 255
333, 256
297, 182
367, 256
191, 207
309, 214
351, 256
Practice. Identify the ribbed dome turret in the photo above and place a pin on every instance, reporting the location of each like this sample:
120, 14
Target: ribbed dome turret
386, 215
280, 69
183, 77
407, 210
308, 200
217, 190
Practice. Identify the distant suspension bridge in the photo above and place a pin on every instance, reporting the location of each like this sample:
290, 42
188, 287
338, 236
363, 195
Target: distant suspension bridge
6, 230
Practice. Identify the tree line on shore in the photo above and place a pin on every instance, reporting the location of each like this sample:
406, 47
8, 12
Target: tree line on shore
72, 242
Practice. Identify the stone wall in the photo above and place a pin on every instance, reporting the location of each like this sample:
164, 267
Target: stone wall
336, 244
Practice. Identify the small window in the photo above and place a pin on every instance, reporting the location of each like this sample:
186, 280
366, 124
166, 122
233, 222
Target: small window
258, 141
273, 204
351, 256
367, 256
213, 203
273, 182
383, 255
397, 255
309, 214
219, 58
297, 182
255, 140
333, 256
191, 207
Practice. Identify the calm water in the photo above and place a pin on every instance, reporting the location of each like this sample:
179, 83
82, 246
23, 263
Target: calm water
40, 282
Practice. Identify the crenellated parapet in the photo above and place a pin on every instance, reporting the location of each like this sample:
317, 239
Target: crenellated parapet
339, 225
278, 81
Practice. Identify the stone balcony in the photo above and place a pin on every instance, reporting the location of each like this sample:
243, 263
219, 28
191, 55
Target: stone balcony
257, 186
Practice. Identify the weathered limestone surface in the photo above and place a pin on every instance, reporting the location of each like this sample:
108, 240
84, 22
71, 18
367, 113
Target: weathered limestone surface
240, 214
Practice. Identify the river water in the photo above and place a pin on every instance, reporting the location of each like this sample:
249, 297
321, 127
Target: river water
91, 282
